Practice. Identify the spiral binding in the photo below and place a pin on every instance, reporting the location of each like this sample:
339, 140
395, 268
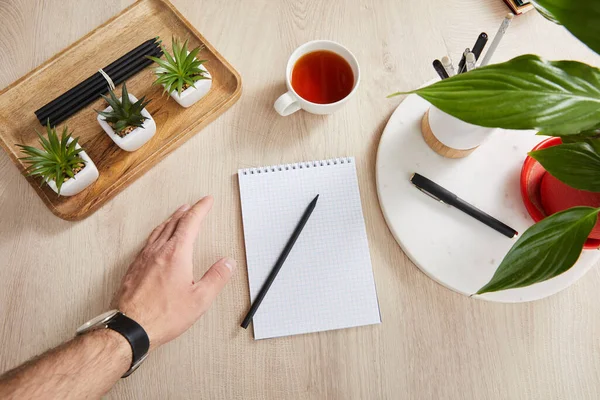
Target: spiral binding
300, 165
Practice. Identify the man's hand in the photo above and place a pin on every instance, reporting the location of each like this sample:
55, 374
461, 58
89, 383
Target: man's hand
158, 290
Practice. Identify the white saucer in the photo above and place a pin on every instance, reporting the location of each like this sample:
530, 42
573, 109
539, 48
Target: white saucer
452, 248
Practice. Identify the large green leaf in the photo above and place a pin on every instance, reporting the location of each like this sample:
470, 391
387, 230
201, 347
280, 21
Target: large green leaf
586, 136
576, 164
545, 13
527, 92
580, 17
545, 250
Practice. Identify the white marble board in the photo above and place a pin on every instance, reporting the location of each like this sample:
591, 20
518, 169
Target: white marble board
452, 248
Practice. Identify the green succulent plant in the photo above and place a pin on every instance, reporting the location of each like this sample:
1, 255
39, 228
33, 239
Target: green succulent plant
58, 161
180, 70
124, 114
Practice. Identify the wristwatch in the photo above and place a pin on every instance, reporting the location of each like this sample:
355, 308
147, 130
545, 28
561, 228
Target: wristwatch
131, 330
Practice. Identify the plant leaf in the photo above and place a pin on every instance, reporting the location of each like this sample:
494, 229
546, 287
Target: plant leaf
545, 250
546, 14
125, 98
579, 17
43, 141
170, 60
190, 58
595, 143
63, 141
170, 68
576, 164
527, 92
181, 57
584, 136
54, 144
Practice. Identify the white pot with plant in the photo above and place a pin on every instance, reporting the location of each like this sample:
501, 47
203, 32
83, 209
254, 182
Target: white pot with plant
61, 162
126, 120
556, 98
182, 75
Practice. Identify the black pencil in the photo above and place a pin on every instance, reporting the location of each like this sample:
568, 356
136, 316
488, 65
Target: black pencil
91, 94
98, 86
437, 192
55, 120
44, 111
479, 45
112, 71
279, 263
439, 68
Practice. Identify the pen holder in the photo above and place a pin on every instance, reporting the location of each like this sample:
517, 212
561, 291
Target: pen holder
449, 136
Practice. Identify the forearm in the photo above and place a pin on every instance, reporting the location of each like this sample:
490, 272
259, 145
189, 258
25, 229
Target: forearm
86, 367
158, 292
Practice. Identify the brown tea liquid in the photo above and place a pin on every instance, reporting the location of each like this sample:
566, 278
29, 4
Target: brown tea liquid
322, 77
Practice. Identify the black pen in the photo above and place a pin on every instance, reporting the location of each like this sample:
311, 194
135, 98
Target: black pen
437, 192
479, 45
439, 68
279, 263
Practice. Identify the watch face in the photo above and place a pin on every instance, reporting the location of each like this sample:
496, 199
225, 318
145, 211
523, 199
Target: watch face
100, 320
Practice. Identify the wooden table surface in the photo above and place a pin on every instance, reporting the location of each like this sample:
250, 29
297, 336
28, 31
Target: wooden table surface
432, 344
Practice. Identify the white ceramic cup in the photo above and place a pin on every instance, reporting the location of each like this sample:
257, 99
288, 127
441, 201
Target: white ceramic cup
456, 133
290, 102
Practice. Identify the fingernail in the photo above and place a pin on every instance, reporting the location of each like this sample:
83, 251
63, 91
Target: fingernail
230, 263
184, 207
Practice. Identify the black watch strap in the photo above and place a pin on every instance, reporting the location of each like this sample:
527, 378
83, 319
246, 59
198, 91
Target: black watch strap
135, 335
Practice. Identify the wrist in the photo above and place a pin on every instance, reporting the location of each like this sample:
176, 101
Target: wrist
143, 320
130, 331
112, 343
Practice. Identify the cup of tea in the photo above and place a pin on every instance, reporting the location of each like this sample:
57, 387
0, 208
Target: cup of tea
321, 76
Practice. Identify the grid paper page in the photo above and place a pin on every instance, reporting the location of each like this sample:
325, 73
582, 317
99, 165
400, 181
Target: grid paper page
327, 280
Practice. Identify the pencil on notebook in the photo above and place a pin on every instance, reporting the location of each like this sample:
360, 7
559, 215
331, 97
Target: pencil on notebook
279, 263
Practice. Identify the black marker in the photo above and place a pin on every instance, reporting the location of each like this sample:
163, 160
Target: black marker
437, 192
439, 68
480, 44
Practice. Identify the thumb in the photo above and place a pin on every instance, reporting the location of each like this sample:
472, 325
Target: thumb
214, 281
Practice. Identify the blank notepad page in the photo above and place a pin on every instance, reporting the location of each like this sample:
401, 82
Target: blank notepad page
327, 280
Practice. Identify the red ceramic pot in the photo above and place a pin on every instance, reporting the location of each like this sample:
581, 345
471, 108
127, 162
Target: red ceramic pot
531, 179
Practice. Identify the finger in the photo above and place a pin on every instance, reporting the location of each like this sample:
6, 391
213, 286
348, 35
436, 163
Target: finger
189, 225
171, 225
159, 229
214, 281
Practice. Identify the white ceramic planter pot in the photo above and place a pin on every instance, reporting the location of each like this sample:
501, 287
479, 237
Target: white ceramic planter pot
194, 93
134, 139
82, 179
455, 133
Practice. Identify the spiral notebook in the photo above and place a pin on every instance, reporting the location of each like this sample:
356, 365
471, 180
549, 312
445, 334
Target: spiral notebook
327, 280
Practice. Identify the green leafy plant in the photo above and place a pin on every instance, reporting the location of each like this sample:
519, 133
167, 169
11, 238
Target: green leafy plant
125, 115
557, 98
58, 160
180, 70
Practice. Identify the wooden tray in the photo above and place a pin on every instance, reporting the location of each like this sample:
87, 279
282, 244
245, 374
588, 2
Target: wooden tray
141, 21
